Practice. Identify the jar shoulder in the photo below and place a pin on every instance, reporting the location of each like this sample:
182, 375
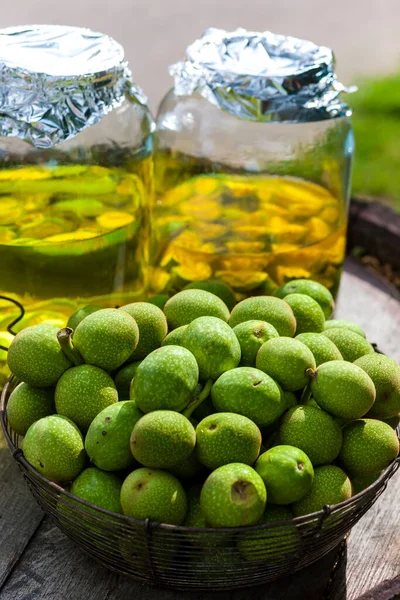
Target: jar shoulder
129, 127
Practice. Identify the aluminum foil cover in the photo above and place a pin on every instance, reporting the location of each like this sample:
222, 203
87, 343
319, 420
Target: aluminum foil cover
56, 81
262, 76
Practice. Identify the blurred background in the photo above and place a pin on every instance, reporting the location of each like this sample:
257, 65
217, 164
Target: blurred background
363, 33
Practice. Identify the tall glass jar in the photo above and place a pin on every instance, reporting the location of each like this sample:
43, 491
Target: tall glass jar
253, 165
76, 173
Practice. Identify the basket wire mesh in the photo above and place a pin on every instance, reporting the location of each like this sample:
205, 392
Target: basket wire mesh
189, 558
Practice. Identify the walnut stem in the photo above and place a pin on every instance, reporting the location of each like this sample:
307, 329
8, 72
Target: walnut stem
64, 337
197, 400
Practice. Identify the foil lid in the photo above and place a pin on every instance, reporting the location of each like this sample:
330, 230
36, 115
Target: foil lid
262, 76
56, 81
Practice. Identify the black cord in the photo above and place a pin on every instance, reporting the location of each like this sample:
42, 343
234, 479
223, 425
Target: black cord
16, 320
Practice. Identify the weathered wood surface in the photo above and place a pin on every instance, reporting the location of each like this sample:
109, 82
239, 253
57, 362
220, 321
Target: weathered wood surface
387, 590
19, 514
365, 300
373, 549
37, 561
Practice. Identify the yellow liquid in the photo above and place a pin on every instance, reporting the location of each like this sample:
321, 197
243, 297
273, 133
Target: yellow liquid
72, 235
253, 232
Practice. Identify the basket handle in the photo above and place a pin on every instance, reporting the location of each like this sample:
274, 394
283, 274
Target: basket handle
16, 320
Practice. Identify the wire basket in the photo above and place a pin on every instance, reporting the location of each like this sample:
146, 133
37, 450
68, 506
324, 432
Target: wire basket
188, 558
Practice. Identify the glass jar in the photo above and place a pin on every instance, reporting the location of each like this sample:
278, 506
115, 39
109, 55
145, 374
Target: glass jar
76, 173
253, 166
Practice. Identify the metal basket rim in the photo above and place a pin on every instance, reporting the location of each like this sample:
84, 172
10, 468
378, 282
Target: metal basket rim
318, 516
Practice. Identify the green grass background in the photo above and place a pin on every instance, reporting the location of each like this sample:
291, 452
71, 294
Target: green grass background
376, 121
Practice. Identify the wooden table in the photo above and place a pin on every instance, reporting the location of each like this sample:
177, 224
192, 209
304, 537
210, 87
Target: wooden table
38, 562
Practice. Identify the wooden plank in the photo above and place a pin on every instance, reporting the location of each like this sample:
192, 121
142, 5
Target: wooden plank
365, 300
387, 590
53, 569
373, 551
20, 516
